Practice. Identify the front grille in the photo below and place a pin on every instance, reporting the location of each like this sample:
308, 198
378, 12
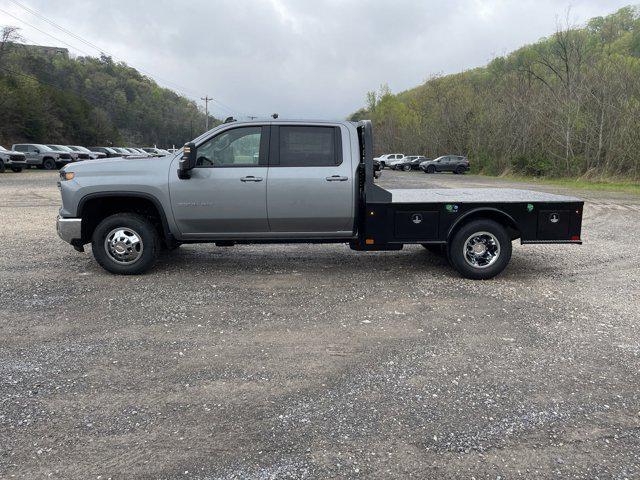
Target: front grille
66, 156
84, 156
17, 158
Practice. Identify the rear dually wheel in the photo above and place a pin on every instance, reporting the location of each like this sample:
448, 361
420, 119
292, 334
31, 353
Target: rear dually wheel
480, 250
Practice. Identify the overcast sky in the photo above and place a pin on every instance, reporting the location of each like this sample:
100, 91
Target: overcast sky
301, 58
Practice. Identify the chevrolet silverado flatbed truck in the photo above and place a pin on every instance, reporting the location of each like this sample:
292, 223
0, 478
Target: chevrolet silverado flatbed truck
282, 181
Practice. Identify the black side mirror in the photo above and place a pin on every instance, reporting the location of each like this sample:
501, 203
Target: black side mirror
37, 150
188, 161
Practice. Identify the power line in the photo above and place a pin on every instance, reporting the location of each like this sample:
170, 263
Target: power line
42, 31
185, 91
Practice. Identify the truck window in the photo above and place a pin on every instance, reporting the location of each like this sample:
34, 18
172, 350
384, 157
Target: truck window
308, 147
239, 147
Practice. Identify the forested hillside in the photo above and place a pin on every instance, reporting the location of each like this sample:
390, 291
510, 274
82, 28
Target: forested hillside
47, 97
568, 105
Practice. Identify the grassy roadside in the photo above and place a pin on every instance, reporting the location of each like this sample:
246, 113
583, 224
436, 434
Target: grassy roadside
626, 187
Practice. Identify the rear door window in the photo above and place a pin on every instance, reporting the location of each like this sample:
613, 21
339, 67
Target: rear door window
309, 146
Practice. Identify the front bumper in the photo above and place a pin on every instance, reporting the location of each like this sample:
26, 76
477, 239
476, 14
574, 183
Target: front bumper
69, 229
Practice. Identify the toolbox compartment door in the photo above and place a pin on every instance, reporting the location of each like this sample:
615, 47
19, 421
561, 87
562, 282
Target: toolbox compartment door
416, 225
554, 224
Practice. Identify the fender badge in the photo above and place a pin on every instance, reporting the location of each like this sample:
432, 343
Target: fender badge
554, 218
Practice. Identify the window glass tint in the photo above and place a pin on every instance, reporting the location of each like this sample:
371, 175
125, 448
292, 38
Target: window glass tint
307, 146
233, 148
20, 148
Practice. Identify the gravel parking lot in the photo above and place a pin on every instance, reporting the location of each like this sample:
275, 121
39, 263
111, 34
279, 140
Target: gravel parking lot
315, 361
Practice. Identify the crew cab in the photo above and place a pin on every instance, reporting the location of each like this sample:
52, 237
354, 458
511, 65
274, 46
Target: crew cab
293, 182
42, 156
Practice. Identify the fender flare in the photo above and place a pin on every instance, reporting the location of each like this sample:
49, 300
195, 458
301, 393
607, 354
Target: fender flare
477, 212
123, 193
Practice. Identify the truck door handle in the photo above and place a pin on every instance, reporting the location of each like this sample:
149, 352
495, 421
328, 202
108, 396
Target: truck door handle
251, 178
337, 178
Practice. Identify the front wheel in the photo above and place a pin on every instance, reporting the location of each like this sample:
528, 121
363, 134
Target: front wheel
406, 168
430, 169
480, 250
126, 244
49, 164
2, 168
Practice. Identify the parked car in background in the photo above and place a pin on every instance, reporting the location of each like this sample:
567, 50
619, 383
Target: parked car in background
123, 151
385, 160
41, 156
141, 152
411, 162
75, 156
16, 161
110, 152
92, 155
447, 163
160, 152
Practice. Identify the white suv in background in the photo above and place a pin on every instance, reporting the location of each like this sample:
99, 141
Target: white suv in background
385, 160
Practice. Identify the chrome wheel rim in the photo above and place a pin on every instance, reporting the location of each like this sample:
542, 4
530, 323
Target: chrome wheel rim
124, 245
481, 250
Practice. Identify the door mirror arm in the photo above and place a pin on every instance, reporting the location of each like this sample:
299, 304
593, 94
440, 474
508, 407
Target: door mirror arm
188, 161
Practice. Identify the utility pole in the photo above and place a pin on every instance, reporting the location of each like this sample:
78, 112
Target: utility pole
206, 101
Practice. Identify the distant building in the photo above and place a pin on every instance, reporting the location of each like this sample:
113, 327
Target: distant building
49, 51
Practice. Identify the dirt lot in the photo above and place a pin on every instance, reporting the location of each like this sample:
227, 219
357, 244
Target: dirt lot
315, 361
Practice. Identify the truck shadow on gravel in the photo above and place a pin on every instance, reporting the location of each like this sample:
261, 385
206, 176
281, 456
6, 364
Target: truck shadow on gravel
320, 261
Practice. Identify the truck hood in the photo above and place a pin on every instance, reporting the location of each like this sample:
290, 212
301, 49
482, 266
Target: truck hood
120, 164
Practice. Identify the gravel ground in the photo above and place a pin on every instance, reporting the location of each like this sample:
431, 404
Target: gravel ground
313, 361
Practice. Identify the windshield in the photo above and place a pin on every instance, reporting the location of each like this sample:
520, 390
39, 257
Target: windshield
44, 148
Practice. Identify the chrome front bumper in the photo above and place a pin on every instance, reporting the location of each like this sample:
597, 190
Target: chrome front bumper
69, 229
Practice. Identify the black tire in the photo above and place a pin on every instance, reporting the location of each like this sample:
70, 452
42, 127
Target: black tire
128, 222
383, 165
16, 169
406, 168
49, 164
460, 170
458, 250
2, 167
430, 169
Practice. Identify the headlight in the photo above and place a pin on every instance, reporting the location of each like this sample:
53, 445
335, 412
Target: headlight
66, 175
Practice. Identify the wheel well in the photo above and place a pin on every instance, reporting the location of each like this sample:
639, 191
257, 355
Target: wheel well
96, 209
495, 215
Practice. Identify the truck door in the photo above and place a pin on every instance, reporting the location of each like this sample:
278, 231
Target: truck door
226, 195
310, 189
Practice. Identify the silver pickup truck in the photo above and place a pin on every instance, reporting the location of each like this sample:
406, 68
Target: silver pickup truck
291, 181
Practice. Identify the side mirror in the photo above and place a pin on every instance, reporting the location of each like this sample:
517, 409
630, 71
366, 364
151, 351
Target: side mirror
188, 161
37, 150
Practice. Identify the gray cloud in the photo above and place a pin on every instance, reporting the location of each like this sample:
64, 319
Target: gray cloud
303, 58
